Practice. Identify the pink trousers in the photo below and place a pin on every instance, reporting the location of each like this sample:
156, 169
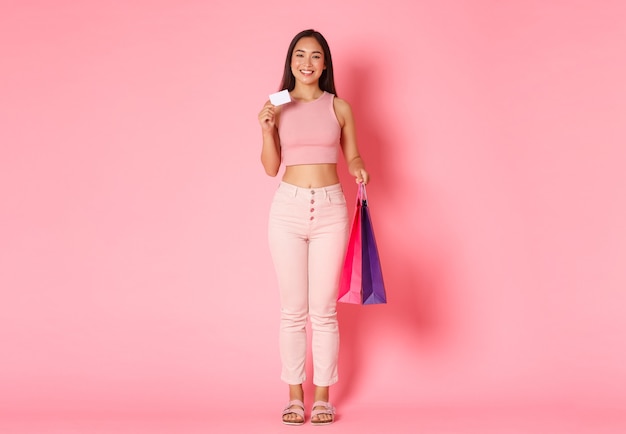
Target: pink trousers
308, 231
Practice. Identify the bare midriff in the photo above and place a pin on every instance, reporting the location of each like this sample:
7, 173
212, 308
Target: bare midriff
311, 175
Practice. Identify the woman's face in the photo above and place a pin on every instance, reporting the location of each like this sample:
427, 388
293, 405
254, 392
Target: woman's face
307, 60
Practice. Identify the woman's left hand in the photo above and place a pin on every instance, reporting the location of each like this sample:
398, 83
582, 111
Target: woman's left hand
362, 176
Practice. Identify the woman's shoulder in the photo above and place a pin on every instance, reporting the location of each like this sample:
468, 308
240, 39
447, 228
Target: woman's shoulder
342, 111
341, 105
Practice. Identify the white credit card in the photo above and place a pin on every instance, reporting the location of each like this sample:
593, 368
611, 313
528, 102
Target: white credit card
280, 98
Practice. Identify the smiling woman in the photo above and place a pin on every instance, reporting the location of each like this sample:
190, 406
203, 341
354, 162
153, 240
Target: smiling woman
137, 293
308, 224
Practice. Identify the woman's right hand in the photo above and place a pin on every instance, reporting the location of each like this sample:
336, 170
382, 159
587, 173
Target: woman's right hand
267, 117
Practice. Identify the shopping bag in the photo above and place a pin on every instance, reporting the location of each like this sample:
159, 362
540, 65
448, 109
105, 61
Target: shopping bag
350, 281
361, 279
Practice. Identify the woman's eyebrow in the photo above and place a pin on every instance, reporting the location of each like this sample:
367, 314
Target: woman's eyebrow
302, 51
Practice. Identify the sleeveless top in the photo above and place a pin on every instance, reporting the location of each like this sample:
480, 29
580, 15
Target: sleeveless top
309, 132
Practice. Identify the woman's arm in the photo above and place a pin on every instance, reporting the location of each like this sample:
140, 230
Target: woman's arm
355, 163
270, 153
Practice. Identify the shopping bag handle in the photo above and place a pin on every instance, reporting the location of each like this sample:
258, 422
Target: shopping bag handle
361, 196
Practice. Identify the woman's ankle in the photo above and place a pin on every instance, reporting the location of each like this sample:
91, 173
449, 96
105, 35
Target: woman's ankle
296, 392
322, 393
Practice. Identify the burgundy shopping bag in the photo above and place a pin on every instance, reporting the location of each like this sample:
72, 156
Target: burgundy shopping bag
361, 279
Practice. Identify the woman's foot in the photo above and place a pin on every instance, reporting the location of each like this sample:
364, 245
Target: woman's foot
323, 413
294, 412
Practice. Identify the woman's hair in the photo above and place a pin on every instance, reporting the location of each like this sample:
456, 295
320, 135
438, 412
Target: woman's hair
327, 79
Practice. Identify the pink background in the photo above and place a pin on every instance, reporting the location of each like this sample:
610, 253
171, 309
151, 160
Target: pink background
137, 291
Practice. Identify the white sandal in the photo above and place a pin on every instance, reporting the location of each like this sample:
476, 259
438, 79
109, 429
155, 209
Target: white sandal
294, 407
328, 409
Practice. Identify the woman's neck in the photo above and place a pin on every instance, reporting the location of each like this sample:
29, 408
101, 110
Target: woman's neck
306, 93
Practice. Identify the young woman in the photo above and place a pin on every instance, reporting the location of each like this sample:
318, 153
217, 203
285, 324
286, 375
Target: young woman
308, 225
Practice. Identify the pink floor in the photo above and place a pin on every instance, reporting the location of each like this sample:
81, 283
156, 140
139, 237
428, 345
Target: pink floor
351, 419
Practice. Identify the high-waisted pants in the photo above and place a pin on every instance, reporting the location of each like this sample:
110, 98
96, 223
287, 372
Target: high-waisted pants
308, 231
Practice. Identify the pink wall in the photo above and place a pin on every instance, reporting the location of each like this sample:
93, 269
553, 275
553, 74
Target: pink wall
134, 269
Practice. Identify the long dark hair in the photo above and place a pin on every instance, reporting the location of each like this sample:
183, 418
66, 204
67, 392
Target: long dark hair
327, 79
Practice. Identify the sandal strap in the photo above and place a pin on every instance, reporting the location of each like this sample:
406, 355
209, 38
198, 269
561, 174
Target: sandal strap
328, 408
294, 406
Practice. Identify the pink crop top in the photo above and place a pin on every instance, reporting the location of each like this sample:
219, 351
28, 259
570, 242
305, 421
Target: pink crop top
309, 132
